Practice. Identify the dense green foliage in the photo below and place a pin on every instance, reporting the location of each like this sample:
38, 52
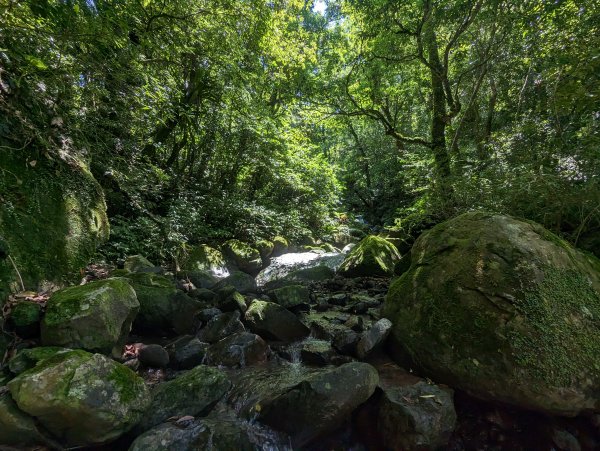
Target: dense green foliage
205, 120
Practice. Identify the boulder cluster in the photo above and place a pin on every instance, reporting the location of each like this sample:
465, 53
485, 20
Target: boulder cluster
485, 307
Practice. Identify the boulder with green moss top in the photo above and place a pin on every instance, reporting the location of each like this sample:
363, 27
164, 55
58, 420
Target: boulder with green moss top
502, 309
202, 258
28, 358
25, 318
272, 321
16, 427
244, 256
139, 263
193, 393
280, 246
96, 316
163, 308
51, 205
265, 248
83, 399
372, 257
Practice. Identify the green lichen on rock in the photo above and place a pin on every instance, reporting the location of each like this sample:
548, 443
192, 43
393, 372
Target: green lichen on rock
163, 308
96, 316
192, 393
81, 398
265, 247
244, 256
25, 317
52, 206
373, 256
28, 358
16, 427
137, 263
503, 309
280, 246
202, 258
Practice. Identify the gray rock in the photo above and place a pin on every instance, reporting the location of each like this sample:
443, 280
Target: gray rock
238, 350
221, 326
272, 321
242, 282
419, 416
320, 403
200, 279
373, 337
187, 352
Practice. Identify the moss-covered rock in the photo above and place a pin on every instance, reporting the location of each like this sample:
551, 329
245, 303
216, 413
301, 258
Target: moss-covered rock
244, 256
16, 427
272, 321
25, 318
163, 308
504, 310
193, 393
95, 317
81, 398
242, 282
28, 358
373, 256
202, 258
138, 263
265, 247
291, 296
280, 246
52, 218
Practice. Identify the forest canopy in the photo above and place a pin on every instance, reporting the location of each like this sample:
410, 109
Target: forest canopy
213, 119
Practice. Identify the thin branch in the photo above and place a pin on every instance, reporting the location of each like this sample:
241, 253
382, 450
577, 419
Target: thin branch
18, 273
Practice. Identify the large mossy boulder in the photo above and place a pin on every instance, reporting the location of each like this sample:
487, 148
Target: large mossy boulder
202, 258
96, 317
372, 257
52, 218
193, 393
81, 398
163, 308
243, 256
502, 309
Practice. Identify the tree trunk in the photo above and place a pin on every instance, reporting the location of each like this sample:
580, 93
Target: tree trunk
439, 117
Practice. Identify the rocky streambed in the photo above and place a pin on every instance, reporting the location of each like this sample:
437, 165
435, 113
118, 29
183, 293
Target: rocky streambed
306, 354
